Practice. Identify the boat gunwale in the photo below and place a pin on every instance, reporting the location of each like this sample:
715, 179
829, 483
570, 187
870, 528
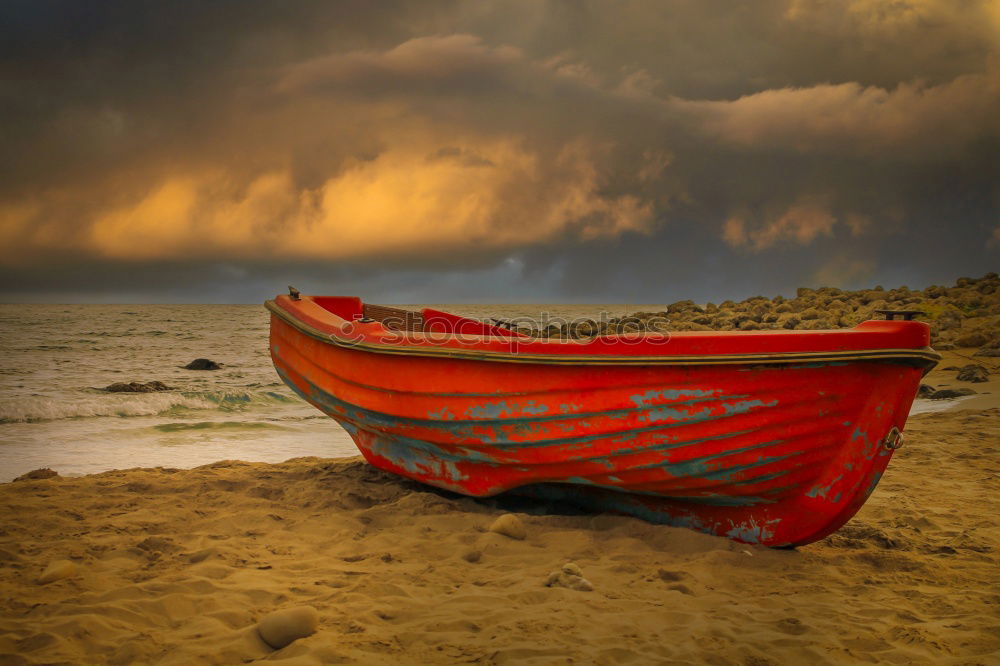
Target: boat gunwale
925, 357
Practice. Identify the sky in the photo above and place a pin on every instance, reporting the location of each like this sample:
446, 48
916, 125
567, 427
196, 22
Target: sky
522, 151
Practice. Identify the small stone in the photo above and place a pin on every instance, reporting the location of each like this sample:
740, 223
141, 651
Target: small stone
58, 570
202, 364
973, 373
568, 580
925, 391
571, 569
472, 556
137, 387
201, 555
281, 627
38, 474
509, 525
947, 394
670, 576
155, 544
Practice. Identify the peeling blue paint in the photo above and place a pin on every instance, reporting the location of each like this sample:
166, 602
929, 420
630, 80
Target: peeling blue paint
443, 414
647, 398
752, 532
821, 491
494, 410
494, 427
871, 484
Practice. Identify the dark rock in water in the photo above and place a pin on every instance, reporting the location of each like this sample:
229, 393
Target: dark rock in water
973, 373
137, 387
991, 351
37, 474
925, 391
202, 364
946, 394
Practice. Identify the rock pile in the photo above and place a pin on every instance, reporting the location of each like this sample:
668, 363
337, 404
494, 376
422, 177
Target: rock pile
964, 315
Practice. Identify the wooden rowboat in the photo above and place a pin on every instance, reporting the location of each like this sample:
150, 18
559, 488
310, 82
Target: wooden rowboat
768, 437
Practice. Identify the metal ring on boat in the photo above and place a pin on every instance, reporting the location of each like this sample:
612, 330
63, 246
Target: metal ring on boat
893, 440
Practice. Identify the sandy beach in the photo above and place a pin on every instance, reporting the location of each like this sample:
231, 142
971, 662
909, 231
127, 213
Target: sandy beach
178, 567
312, 315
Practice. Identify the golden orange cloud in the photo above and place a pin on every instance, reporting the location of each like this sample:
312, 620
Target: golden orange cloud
802, 223
851, 118
409, 199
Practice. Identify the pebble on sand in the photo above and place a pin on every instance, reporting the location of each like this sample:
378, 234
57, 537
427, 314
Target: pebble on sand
202, 364
948, 394
569, 576
281, 627
58, 570
509, 525
137, 387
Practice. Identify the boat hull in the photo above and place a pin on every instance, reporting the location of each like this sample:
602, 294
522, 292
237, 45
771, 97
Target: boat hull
774, 454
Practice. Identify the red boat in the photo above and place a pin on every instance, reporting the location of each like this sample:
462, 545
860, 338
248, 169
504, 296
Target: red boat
766, 437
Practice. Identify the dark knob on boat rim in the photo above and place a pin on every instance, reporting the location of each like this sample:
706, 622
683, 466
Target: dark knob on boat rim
907, 315
293, 293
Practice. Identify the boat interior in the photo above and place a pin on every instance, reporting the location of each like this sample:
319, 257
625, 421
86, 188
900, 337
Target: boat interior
426, 320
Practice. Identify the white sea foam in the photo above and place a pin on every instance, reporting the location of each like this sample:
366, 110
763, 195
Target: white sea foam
32, 409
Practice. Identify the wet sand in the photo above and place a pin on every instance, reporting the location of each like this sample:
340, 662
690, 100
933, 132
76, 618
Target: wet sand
178, 566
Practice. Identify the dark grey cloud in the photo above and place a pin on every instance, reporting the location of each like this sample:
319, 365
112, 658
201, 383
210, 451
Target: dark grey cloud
513, 151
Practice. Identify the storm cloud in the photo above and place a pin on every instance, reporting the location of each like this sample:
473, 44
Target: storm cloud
496, 151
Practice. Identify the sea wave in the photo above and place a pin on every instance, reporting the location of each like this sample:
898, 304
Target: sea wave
217, 425
85, 404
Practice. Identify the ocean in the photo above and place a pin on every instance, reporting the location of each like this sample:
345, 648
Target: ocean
57, 358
